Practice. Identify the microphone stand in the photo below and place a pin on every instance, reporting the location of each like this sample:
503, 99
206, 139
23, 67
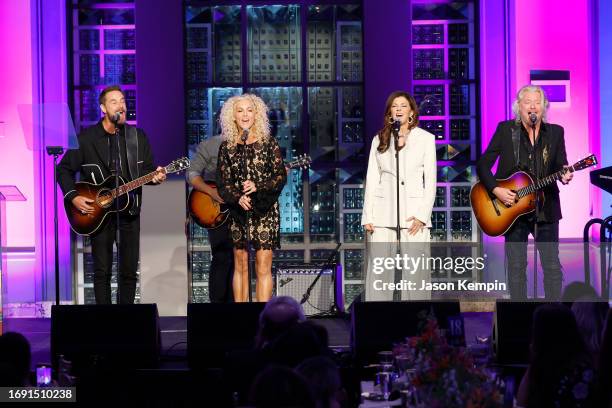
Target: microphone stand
245, 176
117, 218
329, 262
55, 151
536, 141
396, 129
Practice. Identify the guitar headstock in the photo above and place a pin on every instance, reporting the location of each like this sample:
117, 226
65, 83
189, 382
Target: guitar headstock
178, 165
587, 162
301, 162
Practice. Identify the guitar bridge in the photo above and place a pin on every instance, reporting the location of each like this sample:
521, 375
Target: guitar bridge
495, 207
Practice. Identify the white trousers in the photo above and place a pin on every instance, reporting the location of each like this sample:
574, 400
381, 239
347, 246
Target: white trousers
382, 260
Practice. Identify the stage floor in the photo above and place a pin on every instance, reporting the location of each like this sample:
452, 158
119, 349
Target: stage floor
174, 335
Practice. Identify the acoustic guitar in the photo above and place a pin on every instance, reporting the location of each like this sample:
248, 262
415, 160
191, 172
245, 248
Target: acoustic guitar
210, 214
104, 195
495, 218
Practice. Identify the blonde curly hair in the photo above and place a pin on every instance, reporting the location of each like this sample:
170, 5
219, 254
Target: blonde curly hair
232, 132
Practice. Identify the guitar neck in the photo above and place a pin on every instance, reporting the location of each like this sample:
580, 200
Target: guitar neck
302, 161
134, 184
543, 182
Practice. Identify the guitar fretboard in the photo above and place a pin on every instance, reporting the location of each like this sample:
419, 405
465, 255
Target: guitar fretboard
543, 182
134, 184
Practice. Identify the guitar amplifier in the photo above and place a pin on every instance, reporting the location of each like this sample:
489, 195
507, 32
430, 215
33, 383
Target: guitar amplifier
326, 294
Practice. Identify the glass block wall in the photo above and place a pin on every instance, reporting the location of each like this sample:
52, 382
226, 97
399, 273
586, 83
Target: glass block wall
306, 62
104, 52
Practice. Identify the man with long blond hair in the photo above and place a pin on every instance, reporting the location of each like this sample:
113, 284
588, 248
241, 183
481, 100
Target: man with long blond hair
250, 176
528, 142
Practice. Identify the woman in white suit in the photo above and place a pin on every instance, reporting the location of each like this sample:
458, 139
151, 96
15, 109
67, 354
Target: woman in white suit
417, 162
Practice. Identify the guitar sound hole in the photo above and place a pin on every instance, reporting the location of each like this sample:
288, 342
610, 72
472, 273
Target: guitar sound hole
104, 199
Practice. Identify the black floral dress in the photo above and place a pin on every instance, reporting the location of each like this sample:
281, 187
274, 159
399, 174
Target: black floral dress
266, 169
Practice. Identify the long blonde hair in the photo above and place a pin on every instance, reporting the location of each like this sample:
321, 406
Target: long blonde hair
519, 95
230, 130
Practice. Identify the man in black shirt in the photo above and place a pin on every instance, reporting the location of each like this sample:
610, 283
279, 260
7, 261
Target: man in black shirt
540, 153
96, 159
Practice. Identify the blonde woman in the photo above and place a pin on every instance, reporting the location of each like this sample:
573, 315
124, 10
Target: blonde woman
417, 165
251, 176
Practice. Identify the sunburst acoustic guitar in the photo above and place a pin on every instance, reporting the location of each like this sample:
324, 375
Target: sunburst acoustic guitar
495, 218
104, 195
210, 214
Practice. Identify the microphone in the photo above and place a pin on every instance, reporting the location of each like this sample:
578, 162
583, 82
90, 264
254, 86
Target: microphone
533, 118
396, 126
245, 135
116, 117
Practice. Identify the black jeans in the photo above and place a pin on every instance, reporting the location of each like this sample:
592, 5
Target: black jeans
516, 254
220, 288
102, 254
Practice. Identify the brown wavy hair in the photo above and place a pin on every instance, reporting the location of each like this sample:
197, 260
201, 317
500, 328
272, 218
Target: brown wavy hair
384, 134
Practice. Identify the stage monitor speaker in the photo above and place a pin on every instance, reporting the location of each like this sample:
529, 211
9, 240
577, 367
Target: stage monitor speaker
377, 325
105, 336
326, 294
214, 329
513, 331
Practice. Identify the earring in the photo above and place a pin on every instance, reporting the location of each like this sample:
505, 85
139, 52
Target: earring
410, 119
390, 119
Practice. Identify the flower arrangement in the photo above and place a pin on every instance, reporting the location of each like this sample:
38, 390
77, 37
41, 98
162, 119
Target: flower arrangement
445, 376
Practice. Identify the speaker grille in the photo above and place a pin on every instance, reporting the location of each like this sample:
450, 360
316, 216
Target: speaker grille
294, 282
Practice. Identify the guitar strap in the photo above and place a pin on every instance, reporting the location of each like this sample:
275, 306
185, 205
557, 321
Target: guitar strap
131, 145
516, 140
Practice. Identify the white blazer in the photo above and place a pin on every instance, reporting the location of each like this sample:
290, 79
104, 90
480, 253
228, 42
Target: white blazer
417, 182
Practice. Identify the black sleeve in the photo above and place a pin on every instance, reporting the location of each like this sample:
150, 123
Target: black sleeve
148, 164
66, 172
488, 158
279, 174
225, 181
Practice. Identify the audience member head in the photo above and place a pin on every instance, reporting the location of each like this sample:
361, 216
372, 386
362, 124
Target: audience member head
555, 333
323, 376
297, 344
15, 355
9, 376
320, 331
556, 347
605, 357
578, 291
279, 387
279, 314
590, 318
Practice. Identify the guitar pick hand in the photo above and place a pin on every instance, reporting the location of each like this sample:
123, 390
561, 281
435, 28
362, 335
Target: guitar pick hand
82, 204
215, 196
505, 195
